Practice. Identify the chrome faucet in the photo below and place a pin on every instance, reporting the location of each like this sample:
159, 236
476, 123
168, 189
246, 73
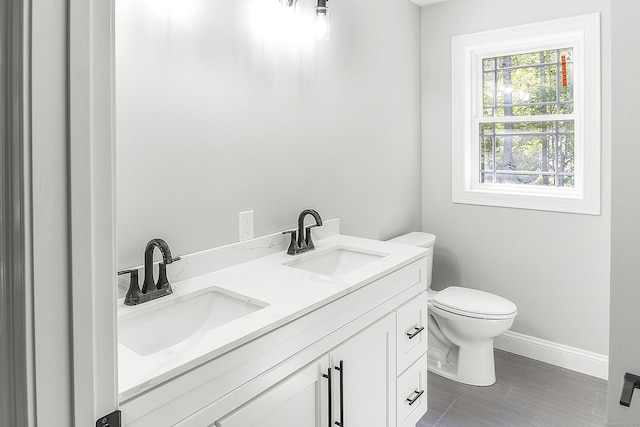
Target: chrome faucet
150, 289
303, 244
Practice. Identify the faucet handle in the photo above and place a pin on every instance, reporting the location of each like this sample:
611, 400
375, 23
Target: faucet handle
132, 271
173, 259
292, 246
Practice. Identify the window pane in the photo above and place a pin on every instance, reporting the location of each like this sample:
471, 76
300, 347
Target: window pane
487, 64
486, 178
488, 93
532, 153
486, 153
524, 59
528, 84
531, 179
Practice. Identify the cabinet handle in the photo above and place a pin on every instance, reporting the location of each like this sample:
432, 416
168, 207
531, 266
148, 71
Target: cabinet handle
328, 377
415, 332
416, 397
341, 370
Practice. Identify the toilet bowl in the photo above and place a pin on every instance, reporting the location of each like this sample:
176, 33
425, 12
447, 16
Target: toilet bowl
462, 325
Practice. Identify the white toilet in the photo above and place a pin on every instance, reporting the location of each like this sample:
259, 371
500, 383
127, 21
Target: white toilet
462, 325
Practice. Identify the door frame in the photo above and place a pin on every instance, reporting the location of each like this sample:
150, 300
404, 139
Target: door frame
92, 209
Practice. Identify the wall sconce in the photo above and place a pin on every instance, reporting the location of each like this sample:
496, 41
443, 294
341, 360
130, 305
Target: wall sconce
322, 22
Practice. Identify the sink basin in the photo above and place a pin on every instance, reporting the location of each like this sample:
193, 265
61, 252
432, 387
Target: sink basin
335, 262
182, 320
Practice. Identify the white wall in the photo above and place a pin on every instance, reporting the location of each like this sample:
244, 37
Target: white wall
213, 119
625, 205
554, 266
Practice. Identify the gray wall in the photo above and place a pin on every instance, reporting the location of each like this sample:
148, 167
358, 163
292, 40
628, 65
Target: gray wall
554, 266
625, 204
49, 220
213, 119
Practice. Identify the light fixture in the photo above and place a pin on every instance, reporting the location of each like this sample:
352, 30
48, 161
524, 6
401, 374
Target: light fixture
322, 24
288, 3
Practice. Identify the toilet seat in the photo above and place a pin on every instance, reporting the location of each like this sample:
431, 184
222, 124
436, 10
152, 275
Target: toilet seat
473, 303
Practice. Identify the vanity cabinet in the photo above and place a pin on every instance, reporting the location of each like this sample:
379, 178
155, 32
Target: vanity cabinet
362, 357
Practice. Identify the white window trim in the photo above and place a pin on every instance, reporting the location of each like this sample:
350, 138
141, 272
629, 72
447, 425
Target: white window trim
583, 34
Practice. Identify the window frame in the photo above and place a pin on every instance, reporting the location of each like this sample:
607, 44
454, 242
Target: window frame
581, 33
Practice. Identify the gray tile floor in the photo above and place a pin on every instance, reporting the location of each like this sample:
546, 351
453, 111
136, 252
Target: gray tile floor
526, 393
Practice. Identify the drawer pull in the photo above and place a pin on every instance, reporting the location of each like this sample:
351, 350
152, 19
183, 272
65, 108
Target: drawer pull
415, 332
417, 396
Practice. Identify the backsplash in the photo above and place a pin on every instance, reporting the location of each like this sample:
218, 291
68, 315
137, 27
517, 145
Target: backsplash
214, 259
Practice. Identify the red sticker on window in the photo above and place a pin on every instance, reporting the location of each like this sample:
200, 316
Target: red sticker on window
563, 60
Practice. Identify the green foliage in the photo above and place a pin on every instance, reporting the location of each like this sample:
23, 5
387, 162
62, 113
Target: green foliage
528, 84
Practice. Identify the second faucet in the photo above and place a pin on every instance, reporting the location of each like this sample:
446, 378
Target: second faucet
303, 244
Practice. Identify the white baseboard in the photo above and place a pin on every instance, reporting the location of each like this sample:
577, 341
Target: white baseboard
575, 359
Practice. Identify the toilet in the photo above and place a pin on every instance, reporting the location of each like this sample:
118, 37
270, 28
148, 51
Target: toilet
462, 325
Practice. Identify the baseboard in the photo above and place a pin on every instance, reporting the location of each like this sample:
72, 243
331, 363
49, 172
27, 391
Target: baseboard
575, 359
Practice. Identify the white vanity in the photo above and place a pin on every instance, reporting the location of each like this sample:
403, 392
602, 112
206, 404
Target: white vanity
330, 337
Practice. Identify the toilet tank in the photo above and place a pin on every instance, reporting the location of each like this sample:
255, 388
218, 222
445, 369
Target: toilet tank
423, 240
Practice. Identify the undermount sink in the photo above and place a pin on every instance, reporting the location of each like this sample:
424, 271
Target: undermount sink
182, 320
335, 262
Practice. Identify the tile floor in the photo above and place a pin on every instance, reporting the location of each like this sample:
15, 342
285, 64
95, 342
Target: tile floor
527, 393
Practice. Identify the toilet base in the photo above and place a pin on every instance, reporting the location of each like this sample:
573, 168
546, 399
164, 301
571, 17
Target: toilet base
472, 364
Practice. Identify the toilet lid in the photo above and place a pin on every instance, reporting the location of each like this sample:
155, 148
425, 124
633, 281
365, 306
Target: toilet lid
473, 303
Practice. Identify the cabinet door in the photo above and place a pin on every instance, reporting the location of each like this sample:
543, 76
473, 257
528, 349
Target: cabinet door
364, 377
299, 400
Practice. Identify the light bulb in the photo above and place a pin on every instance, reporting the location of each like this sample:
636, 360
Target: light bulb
322, 24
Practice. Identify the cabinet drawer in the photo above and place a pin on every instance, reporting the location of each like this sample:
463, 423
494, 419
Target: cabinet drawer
411, 333
412, 394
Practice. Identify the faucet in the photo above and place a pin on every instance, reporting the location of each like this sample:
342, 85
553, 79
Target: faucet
150, 289
302, 245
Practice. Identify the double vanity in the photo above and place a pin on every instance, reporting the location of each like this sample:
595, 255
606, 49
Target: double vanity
253, 336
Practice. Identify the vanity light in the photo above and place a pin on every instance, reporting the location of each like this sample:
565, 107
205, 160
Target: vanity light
322, 24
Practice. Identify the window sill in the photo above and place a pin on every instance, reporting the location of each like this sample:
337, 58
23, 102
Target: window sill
560, 200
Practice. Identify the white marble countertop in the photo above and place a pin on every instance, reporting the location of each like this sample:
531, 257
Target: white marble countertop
289, 292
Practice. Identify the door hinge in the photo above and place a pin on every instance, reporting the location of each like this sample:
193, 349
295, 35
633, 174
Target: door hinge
112, 420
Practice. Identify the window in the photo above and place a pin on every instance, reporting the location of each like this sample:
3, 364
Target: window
526, 117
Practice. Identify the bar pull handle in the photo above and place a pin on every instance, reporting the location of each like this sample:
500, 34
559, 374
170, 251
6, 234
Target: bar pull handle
631, 382
415, 398
328, 377
341, 370
415, 332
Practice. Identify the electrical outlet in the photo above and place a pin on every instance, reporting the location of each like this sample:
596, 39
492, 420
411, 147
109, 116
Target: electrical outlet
245, 229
